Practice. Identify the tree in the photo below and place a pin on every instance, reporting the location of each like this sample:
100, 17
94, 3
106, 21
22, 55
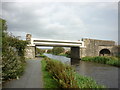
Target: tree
40, 51
57, 50
13, 60
68, 53
49, 51
3, 25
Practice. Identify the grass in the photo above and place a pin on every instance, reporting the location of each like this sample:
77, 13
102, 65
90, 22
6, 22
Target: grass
66, 55
59, 75
104, 60
41, 55
49, 82
62, 54
87, 82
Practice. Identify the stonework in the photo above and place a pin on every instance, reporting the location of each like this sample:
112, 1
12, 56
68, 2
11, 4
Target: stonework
28, 38
30, 52
93, 47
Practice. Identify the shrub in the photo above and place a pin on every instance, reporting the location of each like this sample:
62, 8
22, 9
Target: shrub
49, 51
12, 64
40, 51
61, 73
114, 62
66, 77
49, 82
87, 58
13, 60
104, 60
87, 82
57, 50
68, 53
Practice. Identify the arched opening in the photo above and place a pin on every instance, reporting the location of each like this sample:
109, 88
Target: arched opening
104, 52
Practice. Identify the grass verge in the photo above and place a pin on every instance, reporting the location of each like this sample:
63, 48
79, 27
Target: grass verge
62, 54
49, 82
59, 75
104, 60
42, 55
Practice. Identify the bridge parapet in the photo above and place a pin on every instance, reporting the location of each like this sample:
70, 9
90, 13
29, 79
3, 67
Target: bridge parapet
60, 43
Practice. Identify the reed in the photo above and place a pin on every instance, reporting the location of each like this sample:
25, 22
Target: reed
66, 77
104, 60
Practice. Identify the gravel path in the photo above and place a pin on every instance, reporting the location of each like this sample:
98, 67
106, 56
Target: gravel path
32, 77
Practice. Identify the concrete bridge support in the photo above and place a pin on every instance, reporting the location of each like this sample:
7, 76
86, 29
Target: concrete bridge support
75, 54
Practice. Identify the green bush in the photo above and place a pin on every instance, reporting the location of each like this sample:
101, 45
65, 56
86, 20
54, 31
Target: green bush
87, 58
57, 50
61, 73
13, 60
12, 64
49, 82
114, 62
66, 77
49, 51
68, 53
42, 56
87, 82
40, 51
103, 59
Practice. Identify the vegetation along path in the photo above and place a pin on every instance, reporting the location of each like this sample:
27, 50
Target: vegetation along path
32, 77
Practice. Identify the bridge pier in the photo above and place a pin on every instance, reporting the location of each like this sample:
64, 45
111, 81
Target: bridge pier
75, 54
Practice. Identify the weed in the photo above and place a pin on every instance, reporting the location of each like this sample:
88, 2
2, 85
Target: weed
104, 60
65, 76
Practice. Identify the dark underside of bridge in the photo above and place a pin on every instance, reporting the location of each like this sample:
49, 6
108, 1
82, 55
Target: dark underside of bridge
75, 54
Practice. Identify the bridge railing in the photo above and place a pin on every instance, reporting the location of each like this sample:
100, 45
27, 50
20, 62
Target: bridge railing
51, 42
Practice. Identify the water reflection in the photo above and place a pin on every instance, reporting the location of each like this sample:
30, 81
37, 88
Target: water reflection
104, 74
59, 58
75, 62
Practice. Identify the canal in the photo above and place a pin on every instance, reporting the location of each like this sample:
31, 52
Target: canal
103, 74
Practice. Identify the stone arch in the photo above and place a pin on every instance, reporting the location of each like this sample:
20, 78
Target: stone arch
104, 52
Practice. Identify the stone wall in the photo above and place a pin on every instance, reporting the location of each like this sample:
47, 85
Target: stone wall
116, 50
93, 47
30, 52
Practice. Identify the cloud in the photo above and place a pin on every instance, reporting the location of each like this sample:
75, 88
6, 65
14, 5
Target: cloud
70, 21
61, 1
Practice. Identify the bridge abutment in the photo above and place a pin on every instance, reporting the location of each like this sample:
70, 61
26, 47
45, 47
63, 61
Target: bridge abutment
30, 52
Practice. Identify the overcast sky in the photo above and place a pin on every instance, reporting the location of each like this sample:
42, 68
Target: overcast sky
62, 20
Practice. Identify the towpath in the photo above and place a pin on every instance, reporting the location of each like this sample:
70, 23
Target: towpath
32, 77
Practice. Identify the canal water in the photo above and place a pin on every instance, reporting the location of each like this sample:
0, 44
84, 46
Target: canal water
103, 74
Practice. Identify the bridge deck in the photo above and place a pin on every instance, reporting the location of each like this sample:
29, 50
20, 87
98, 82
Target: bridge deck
61, 43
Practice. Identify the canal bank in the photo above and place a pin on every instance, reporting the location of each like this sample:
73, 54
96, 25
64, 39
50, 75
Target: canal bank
103, 74
64, 76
